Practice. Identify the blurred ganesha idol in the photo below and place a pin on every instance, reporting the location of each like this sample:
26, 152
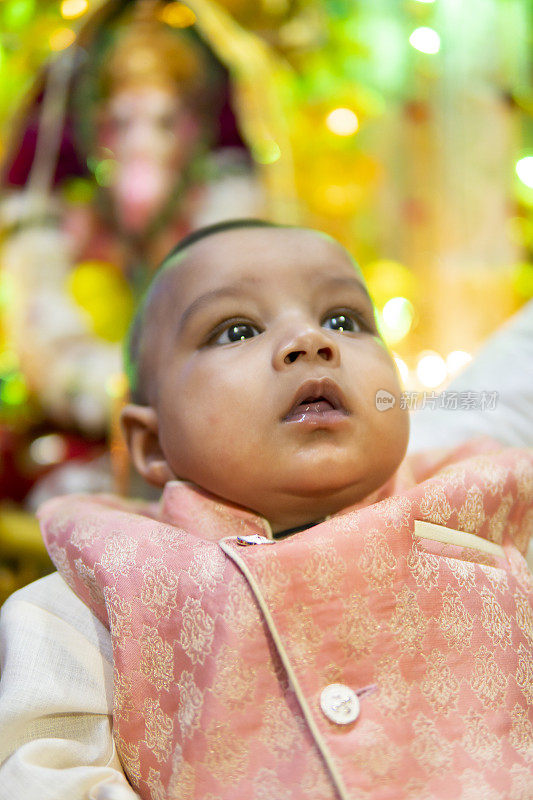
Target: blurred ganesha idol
152, 129
156, 129
151, 118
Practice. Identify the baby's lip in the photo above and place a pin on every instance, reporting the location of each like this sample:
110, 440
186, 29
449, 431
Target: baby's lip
314, 391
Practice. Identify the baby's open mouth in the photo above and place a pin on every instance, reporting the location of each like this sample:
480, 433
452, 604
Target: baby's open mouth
317, 400
317, 405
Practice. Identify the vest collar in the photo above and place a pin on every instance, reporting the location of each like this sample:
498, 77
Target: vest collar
187, 506
208, 517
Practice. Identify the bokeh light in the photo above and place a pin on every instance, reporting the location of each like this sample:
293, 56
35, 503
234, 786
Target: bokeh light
61, 38
102, 292
178, 15
18, 13
456, 360
72, 9
387, 278
431, 370
49, 449
524, 170
13, 390
342, 121
396, 319
426, 40
105, 171
266, 152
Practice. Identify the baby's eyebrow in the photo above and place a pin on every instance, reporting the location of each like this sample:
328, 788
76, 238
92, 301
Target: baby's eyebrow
206, 299
237, 290
335, 282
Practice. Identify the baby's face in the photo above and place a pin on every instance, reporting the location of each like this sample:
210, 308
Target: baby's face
266, 375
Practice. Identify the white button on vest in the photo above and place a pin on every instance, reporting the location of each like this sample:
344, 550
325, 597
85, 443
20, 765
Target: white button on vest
339, 703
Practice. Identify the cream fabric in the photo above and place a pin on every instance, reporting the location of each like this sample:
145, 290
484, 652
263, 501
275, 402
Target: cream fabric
503, 365
56, 687
55, 699
440, 533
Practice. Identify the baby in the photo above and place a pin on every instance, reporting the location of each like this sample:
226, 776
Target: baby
255, 364
306, 614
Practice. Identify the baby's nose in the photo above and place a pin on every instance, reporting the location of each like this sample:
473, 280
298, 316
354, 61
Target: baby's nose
308, 345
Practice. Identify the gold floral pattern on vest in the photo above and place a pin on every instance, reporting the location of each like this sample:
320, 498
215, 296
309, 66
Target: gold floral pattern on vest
419, 602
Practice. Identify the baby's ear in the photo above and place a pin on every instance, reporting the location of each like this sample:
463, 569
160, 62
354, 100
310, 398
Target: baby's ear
140, 427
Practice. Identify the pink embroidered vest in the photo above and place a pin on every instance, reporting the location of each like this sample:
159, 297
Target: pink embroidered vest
419, 605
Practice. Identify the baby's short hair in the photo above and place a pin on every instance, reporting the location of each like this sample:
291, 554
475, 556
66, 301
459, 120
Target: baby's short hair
133, 351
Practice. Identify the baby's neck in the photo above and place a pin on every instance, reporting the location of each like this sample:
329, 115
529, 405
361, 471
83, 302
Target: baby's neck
289, 531
307, 512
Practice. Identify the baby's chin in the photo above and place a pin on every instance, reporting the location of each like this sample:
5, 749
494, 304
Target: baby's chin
308, 508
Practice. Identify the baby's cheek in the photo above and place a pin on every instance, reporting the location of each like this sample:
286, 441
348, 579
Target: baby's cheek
380, 381
398, 431
212, 418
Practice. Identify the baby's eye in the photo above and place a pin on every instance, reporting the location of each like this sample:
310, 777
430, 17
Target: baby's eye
342, 321
236, 332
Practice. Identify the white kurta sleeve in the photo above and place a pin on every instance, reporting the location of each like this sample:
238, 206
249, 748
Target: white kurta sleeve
56, 699
504, 365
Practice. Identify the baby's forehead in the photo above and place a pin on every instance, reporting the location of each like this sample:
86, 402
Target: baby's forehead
256, 252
